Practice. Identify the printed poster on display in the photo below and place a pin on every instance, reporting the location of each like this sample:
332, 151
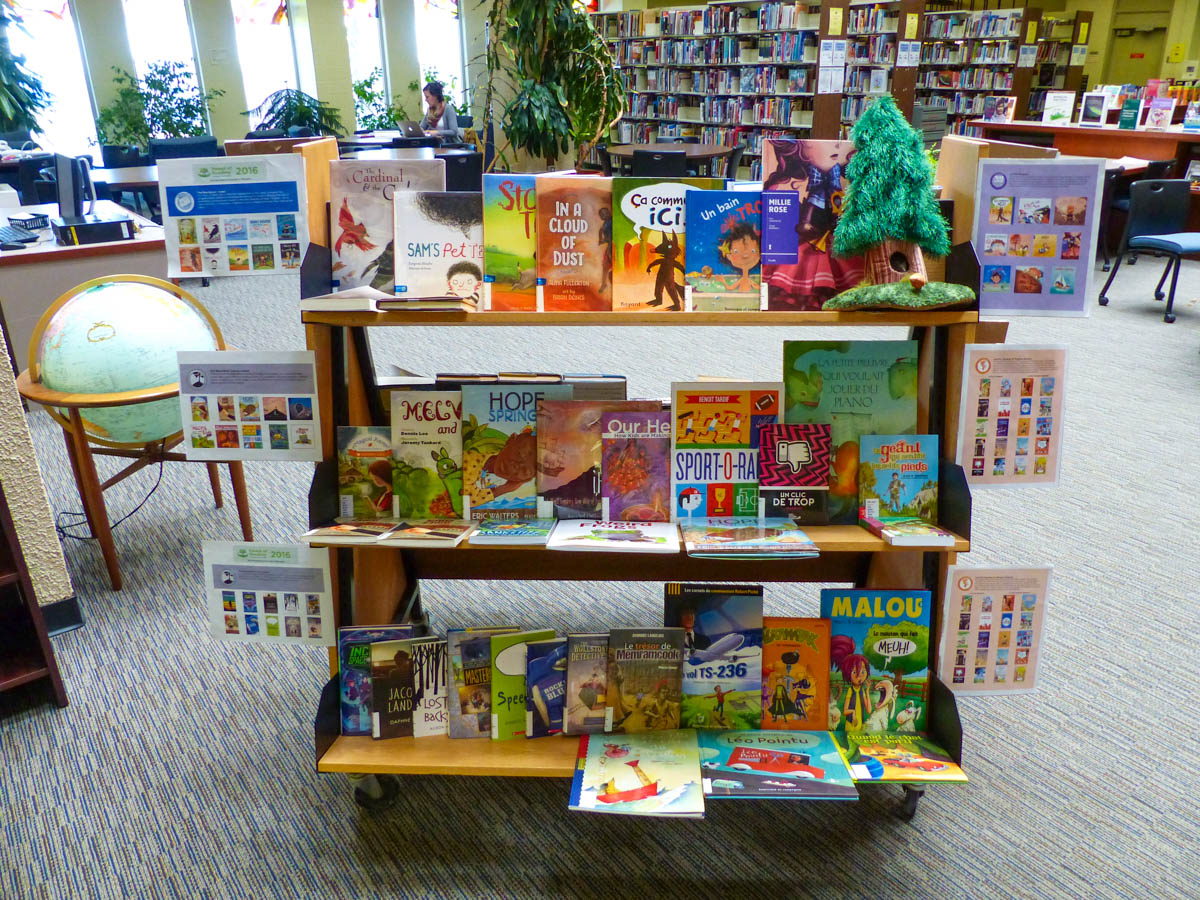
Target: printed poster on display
249, 405
1011, 417
268, 593
242, 215
1035, 235
992, 629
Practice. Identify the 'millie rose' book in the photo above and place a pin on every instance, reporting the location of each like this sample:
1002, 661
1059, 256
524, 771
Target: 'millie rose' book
439, 245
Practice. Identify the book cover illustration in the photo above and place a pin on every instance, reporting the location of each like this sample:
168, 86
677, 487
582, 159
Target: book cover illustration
908, 758
614, 537
724, 249
857, 388
879, 659
469, 700
774, 764
587, 675
568, 462
816, 171
746, 538
360, 204
714, 451
634, 473
574, 242
650, 241
793, 472
510, 241
898, 476
722, 659
354, 668
430, 689
645, 679
795, 674
427, 454
439, 245
649, 774
508, 681
499, 441
427, 533
530, 532
364, 471
392, 689
350, 531
545, 687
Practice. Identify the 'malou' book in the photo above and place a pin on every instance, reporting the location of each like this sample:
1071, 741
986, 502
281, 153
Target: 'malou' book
508, 681
793, 472
879, 657
723, 252
722, 652
439, 245
500, 447
645, 679
469, 702
427, 446
360, 207
587, 675
857, 388
509, 241
354, 671
545, 687
650, 241
774, 764
634, 471
898, 476
574, 242
795, 674
364, 471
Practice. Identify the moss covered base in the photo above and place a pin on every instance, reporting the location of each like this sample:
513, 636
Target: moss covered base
900, 295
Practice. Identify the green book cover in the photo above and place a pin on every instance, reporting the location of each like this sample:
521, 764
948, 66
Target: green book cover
1130, 110
510, 241
427, 446
508, 682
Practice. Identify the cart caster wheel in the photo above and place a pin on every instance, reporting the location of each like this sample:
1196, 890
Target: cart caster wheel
1103, 300
1159, 295
908, 807
388, 790
1169, 318
1133, 260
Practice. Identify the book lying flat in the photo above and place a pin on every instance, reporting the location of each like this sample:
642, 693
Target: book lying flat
908, 532
513, 531
908, 758
774, 764
350, 531
654, 773
746, 538
427, 533
355, 299
615, 537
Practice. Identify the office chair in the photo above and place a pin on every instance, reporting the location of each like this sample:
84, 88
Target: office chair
1111, 177
464, 172
300, 131
605, 160
183, 147
36, 181
734, 161
264, 133
659, 163
1158, 169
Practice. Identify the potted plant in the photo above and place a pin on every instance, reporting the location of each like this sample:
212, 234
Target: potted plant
372, 109
291, 108
165, 102
22, 96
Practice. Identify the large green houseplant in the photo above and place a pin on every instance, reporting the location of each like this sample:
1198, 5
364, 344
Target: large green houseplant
562, 85
165, 102
22, 96
288, 108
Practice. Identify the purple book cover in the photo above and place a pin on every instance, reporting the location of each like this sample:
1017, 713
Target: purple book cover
780, 218
793, 472
635, 481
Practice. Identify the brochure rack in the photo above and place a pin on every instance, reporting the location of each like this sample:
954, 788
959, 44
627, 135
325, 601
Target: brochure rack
379, 579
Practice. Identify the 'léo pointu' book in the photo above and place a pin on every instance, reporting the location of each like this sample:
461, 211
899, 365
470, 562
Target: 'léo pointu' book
587, 675
645, 679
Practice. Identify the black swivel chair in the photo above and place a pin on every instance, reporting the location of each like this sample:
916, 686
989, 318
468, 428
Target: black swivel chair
734, 161
35, 181
605, 160
1158, 215
183, 147
660, 163
263, 133
300, 131
1158, 169
464, 172
1107, 196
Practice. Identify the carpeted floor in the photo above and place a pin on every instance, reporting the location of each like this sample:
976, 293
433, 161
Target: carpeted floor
183, 766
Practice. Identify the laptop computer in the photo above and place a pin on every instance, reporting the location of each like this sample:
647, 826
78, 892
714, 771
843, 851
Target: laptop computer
409, 128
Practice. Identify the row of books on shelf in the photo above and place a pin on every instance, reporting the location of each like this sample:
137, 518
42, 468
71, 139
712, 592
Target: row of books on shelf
980, 24
876, 19
958, 79
714, 20
795, 47
746, 80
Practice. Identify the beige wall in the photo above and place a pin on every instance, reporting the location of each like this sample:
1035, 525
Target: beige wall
400, 43
322, 44
101, 25
217, 56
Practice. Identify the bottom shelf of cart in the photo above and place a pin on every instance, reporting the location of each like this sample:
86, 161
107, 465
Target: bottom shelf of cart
550, 757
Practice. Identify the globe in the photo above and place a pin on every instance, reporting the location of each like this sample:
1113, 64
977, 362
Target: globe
122, 336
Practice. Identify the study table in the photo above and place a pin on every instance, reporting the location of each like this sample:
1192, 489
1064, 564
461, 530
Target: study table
1108, 140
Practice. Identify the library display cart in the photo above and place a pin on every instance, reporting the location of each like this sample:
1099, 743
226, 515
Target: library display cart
380, 579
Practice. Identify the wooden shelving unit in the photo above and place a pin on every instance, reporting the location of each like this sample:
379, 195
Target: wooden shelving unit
1056, 68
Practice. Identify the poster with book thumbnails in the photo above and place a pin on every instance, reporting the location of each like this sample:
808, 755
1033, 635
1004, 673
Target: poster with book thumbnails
268, 593
992, 629
1011, 414
249, 405
243, 215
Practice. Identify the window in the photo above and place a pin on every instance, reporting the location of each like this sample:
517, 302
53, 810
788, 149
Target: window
158, 31
50, 46
265, 48
365, 40
439, 50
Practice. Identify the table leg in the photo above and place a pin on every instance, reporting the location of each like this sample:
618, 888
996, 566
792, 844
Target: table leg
214, 479
93, 498
237, 476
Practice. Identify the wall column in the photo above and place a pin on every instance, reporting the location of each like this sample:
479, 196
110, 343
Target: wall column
399, 22
321, 43
217, 58
101, 24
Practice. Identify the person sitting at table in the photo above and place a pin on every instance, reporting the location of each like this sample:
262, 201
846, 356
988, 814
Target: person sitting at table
440, 119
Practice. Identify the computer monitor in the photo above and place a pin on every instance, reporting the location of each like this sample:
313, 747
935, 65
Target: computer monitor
74, 185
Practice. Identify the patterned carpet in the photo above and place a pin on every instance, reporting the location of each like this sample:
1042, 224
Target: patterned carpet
183, 766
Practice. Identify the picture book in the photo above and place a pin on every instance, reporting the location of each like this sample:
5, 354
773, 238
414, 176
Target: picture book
392, 689
439, 245
780, 221
722, 652
354, 667
649, 774
745, 538
587, 675
879, 659
903, 757
714, 451
430, 688
1131, 112
898, 476
793, 472
574, 242
774, 764
816, 171
469, 700
614, 537
635, 481
908, 531
509, 241
513, 531
1191, 119
545, 687
857, 388
427, 533
650, 241
364, 471
1159, 112
362, 222
1093, 108
568, 461
1058, 107
795, 674
499, 443
723, 252
645, 679
350, 531
508, 681
427, 454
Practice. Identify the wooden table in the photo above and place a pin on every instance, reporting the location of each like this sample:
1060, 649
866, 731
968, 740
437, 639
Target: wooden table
1107, 141
128, 178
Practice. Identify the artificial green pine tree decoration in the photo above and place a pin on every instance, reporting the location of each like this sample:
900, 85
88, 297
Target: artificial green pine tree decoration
891, 214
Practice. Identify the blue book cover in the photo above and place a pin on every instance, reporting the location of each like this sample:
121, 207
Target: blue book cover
774, 764
723, 268
879, 655
354, 667
898, 476
545, 687
780, 221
